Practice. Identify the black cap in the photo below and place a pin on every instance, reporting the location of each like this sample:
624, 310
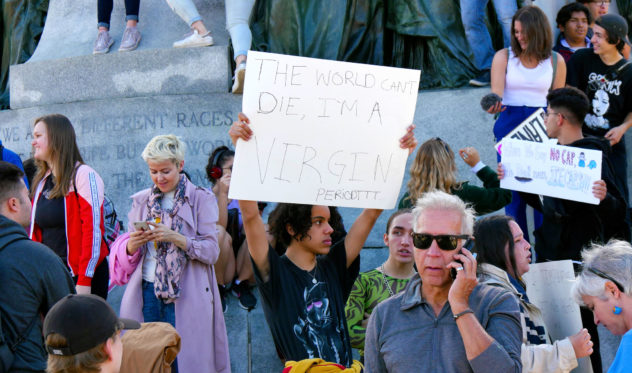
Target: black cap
85, 321
615, 26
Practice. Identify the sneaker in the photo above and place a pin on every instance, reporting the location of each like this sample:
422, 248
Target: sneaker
482, 80
247, 300
240, 75
103, 43
223, 292
130, 40
194, 40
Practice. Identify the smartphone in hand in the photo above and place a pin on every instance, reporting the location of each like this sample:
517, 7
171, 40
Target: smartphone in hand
468, 245
141, 226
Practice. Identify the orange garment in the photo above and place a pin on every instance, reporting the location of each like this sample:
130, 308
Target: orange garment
150, 349
320, 366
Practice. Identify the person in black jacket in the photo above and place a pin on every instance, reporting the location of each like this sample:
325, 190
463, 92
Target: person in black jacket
568, 225
32, 277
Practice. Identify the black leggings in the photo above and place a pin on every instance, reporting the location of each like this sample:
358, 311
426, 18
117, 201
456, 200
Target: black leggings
100, 280
104, 11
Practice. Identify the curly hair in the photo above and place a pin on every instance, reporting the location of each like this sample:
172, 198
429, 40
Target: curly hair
299, 218
434, 168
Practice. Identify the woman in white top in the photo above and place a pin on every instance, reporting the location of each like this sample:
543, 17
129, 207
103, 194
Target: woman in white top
522, 75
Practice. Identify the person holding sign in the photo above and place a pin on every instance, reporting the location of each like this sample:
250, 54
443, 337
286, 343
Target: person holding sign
434, 168
504, 256
604, 286
444, 321
521, 77
373, 287
304, 290
569, 225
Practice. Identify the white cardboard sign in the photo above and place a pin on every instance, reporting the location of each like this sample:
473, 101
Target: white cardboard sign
549, 287
531, 129
549, 169
325, 132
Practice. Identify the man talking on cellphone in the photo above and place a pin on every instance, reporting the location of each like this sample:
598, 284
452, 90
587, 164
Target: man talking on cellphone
440, 323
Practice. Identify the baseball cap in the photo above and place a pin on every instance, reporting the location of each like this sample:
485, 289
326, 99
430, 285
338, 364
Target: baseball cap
85, 321
615, 26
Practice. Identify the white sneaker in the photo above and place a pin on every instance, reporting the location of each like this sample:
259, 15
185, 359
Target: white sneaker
240, 75
194, 40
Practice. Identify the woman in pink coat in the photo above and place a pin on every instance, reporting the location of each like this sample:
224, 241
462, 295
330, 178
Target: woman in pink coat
167, 260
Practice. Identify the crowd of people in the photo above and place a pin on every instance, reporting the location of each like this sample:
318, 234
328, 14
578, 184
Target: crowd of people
449, 297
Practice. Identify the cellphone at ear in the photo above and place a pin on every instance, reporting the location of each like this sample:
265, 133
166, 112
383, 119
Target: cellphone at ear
452, 270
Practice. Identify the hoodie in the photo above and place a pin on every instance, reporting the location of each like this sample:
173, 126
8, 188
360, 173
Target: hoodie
32, 280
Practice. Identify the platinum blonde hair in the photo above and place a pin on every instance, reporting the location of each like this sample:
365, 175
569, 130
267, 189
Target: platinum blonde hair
614, 259
163, 148
442, 201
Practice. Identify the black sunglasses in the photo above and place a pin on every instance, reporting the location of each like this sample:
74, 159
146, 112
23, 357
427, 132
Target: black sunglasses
446, 242
606, 277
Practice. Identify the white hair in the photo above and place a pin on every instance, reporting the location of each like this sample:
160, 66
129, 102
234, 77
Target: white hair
163, 148
438, 200
613, 259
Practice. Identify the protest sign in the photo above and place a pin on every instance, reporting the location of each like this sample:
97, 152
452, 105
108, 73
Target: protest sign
549, 169
531, 129
549, 287
325, 132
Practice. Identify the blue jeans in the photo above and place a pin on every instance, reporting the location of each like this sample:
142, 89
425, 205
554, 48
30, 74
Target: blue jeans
186, 10
473, 17
237, 18
155, 310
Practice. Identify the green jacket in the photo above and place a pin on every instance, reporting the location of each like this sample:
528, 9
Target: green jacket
489, 198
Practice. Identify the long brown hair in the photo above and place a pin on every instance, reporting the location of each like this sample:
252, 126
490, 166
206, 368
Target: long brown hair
434, 168
64, 154
537, 29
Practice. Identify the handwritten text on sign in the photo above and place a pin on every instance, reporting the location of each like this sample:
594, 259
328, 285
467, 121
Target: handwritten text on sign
325, 132
531, 129
551, 170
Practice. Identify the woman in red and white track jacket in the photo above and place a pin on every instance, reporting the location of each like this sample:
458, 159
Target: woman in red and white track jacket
67, 213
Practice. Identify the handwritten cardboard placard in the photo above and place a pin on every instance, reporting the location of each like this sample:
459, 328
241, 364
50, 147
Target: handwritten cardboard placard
549, 169
531, 129
325, 132
549, 287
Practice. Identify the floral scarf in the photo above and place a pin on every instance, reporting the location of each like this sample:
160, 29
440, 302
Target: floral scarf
170, 259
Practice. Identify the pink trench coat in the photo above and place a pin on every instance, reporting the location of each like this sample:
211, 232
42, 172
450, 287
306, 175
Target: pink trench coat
199, 317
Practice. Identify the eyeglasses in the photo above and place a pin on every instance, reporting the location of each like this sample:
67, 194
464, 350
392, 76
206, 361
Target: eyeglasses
601, 2
446, 242
547, 114
606, 277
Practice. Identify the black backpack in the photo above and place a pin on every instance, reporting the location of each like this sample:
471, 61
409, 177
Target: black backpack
7, 349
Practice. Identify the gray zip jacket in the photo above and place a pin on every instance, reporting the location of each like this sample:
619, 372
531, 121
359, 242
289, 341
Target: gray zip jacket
404, 335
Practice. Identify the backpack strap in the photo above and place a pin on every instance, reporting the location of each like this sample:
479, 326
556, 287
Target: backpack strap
554, 63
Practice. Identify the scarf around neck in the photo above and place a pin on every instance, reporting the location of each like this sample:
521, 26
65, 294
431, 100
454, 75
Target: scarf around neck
170, 259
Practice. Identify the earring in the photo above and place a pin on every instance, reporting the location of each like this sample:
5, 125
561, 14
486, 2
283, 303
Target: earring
616, 310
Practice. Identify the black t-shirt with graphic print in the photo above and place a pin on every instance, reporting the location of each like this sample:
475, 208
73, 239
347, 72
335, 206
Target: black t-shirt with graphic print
306, 316
610, 93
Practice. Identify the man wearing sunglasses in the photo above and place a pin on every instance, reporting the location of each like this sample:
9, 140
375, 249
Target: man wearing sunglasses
441, 324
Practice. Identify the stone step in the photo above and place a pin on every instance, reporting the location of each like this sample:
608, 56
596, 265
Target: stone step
142, 73
63, 69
